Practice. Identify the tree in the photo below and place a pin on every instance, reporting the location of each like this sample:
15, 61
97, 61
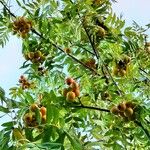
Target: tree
86, 84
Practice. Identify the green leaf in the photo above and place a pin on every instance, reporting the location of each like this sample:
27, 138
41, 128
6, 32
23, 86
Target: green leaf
74, 142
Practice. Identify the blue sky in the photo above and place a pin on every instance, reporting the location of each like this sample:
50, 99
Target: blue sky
11, 58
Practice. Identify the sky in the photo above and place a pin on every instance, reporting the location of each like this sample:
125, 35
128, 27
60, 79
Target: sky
11, 58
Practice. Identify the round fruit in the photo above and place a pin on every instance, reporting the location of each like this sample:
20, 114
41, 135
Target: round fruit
127, 59
27, 118
74, 86
77, 92
44, 119
101, 32
71, 96
33, 107
31, 55
122, 72
122, 107
128, 112
65, 91
43, 110
69, 81
114, 110
37, 54
130, 104
67, 50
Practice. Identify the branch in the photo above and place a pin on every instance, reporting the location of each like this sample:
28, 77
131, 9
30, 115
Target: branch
7, 9
92, 44
145, 130
90, 107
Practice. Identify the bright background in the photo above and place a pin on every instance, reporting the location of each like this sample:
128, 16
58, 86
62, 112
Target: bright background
11, 58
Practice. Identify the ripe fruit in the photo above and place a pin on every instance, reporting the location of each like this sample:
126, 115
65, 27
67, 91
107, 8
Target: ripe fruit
31, 55
128, 112
122, 107
27, 118
43, 110
127, 59
77, 92
114, 110
65, 91
101, 32
37, 54
67, 50
74, 86
69, 81
33, 107
71, 96
130, 104
44, 119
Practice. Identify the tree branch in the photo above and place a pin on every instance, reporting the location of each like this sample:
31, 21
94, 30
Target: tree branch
90, 107
7, 9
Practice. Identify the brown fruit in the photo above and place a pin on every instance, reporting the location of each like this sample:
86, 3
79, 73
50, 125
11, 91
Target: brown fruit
34, 107
74, 86
44, 119
37, 54
71, 96
27, 118
122, 107
77, 92
127, 59
122, 114
101, 32
67, 50
43, 110
130, 104
114, 110
128, 112
122, 72
65, 91
31, 55
69, 81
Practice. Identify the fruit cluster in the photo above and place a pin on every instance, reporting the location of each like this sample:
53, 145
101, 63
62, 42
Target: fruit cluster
21, 26
35, 57
72, 91
121, 67
25, 84
30, 118
124, 109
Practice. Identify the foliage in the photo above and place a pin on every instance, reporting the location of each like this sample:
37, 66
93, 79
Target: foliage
109, 68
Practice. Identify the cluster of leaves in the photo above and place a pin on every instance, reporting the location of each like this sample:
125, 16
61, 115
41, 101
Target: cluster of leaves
90, 31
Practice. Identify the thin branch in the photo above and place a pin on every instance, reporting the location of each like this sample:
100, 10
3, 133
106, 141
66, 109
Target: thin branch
92, 44
7, 9
90, 107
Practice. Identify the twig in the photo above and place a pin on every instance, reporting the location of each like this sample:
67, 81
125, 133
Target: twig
90, 107
92, 44
7, 9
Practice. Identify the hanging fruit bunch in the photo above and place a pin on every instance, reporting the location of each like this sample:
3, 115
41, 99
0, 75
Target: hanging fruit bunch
35, 116
25, 84
22, 26
72, 91
122, 67
125, 110
35, 57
